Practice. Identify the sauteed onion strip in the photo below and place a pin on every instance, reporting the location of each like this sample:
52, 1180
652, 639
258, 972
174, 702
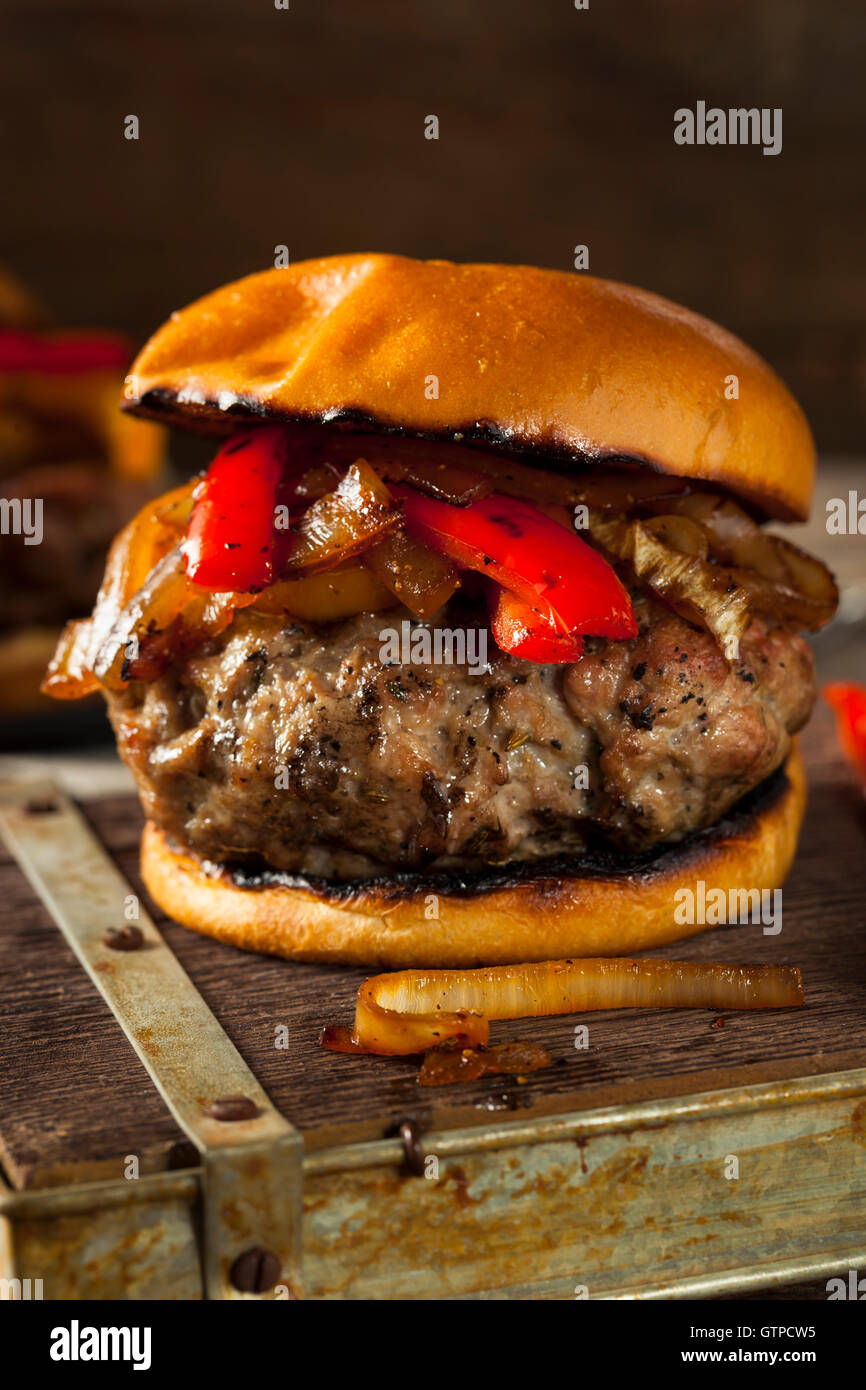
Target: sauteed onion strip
412, 1010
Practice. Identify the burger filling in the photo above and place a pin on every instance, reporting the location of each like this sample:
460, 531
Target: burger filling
71, 470
52, 568
620, 664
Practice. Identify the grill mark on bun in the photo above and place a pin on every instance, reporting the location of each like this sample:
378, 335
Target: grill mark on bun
212, 418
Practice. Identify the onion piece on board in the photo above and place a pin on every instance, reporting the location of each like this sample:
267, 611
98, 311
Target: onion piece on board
412, 1010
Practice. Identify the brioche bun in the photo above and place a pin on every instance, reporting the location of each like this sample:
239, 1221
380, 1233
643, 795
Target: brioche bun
521, 918
535, 362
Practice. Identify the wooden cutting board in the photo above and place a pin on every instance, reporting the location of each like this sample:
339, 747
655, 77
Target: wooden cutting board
74, 1098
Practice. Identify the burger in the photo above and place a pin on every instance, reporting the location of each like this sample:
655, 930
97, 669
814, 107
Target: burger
471, 646
72, 470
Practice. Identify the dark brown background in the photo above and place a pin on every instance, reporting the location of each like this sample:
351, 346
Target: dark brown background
305, 127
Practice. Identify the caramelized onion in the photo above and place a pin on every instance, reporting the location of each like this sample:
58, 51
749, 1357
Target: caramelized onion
717, 567
458, 473
325, 597
447, 481
314, 482
700, 592
679, 533
419, 577
69, 676
342, 522
780, 579
141, 545
168, 617
444, 470
609, 488
620, 490
444, 1066
413, 1010
788, 602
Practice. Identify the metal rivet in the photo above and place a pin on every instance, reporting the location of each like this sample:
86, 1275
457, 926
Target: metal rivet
124, 938
413, 1149
229, 1108
255, 1271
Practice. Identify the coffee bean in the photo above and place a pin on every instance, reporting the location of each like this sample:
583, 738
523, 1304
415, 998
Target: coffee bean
232, 1108
255, 1271
124, 938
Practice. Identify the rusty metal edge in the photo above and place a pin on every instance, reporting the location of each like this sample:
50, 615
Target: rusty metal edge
744, 1279
184, 1186
639, 1115
613, 1119
47, 1202
250, 1178
456, 1143
727, 1283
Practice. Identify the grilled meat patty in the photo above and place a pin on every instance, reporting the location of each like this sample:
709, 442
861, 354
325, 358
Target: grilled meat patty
293, 747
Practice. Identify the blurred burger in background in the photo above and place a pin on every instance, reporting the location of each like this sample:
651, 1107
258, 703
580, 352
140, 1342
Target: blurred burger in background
72, 470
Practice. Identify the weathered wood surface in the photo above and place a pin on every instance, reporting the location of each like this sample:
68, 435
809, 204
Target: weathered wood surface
556, 129
74, 1099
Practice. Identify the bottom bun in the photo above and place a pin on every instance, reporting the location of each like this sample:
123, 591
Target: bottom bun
529, 912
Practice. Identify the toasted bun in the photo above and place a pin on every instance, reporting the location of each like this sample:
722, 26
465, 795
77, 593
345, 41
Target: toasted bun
532, 361
531, 918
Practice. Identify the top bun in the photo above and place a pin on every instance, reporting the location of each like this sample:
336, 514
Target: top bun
536, 362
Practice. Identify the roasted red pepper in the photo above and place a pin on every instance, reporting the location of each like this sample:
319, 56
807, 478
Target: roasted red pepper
523, 631
232, 541
60, 353
546, 567
849, 702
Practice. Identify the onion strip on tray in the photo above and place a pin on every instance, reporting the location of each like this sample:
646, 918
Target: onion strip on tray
410, 1011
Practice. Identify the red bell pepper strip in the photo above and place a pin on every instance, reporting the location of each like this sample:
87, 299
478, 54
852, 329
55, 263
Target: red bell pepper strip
533, 557
61, 353
849, 702
232, 540
524, 632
